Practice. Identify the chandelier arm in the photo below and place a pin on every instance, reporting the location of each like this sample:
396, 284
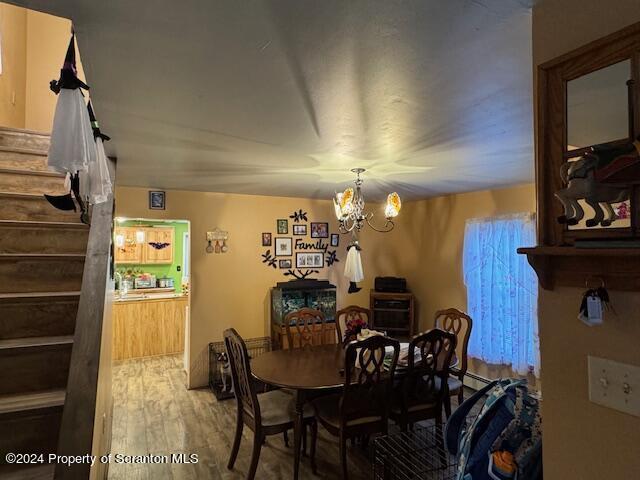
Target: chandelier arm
388, 226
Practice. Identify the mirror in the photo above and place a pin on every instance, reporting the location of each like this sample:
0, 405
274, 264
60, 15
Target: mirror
597, 106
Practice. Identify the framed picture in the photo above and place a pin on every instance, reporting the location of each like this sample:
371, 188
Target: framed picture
266, 239
299, 229
309, 260
284, 263
319, 230
156, 200
283, 226
284, 246
335, 239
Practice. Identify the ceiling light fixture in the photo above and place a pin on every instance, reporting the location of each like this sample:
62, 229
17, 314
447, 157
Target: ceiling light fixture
349, 207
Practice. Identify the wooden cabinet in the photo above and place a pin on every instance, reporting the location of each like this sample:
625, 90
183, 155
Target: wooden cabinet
127, 250
143, 328
393, 313
158, 245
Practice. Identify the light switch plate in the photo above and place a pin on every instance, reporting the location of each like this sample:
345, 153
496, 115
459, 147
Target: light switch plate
614, 385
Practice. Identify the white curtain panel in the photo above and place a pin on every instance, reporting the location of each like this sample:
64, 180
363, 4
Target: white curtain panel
502, 292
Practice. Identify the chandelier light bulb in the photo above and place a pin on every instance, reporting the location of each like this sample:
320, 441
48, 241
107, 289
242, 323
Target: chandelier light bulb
393, 205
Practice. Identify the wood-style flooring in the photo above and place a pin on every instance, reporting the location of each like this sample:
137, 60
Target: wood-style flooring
154, 413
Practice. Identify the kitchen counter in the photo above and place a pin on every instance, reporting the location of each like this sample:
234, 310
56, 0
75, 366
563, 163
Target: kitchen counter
153, 294
149, 324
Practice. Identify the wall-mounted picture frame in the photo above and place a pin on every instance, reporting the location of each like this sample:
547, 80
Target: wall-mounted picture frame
319, 230
283, 246
335, 239
266, 239
309, 260
299, 229
157, 200
284, 263
282, 226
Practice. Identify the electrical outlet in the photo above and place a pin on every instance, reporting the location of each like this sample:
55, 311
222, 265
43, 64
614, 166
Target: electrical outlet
614, 385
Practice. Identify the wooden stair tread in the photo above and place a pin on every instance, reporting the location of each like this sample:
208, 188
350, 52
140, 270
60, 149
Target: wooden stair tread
42, 224
21, 195
38, 295
31, 401
35, 342
42, 255
24, 131
33, 173
27, 151
27, 472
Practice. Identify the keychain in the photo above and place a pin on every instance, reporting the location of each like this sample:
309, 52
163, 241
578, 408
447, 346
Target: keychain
594, 303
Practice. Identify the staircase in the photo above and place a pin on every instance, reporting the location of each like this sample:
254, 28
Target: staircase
42, 254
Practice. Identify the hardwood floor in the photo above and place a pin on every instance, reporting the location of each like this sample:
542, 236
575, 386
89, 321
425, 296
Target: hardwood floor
155, 414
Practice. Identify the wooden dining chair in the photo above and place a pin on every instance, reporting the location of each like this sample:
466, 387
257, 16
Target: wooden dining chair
306, 325
460, 324
352, 312
362, 408
423, 389
269, 413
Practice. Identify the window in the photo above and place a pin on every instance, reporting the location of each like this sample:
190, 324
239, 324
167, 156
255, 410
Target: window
502, 292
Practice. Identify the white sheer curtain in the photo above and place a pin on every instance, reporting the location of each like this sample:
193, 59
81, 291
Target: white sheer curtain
502, 291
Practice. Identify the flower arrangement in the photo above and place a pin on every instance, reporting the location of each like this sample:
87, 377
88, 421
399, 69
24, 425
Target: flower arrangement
353, 327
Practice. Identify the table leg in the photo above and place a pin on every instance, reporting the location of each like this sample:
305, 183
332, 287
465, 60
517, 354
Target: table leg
297, 432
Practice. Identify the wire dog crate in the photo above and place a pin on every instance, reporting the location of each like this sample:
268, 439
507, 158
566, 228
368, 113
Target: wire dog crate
417, 455
255, 347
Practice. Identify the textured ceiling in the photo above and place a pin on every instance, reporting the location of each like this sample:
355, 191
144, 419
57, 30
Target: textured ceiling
284, 97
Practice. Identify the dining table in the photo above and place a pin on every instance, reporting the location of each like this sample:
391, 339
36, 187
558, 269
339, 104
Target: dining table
307, 369
313, 368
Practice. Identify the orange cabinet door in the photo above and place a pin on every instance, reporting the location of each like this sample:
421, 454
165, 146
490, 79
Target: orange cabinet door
126, 249
159, 245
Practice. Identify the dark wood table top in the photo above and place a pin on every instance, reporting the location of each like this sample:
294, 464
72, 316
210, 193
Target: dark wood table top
308, 368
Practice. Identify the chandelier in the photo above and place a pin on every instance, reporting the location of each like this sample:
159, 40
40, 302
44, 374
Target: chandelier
349, 207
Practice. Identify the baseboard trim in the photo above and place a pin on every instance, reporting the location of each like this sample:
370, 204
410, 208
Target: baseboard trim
475, 382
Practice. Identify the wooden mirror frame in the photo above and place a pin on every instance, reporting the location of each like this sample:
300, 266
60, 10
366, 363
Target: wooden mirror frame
555, 259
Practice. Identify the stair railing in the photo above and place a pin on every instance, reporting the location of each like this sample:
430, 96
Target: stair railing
86, 418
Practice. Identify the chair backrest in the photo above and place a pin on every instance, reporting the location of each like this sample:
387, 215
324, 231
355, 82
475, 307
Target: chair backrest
368, 383
303, 323
430, 355
241, 374
352, 312
460, 324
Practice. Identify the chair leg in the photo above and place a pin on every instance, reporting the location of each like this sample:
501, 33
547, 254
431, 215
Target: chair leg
343, 456
314, 441
255, 456
285, 437
440, 440
447, 406
304, 440
461, 396
236, 443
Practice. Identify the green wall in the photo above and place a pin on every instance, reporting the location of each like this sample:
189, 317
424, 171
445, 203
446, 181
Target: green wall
161, 270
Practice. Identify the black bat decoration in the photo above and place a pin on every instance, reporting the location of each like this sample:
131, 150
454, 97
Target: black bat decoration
159, 245
299, 216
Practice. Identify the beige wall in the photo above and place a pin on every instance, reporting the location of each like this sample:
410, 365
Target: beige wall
232, 289
429, 250
583, 441
34, 45
13, 30
47, 42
